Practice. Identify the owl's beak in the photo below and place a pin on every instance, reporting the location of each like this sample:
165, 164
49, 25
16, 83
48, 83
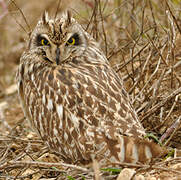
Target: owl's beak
57, 56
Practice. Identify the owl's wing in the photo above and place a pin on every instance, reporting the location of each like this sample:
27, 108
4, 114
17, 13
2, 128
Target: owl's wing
99, 116
94, 95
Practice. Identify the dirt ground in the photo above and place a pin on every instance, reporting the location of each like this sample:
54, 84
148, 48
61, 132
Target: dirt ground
142, 41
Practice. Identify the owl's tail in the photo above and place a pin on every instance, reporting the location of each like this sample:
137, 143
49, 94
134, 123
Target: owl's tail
135, 150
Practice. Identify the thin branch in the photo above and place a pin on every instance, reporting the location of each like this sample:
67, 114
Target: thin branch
41, 164
174, 18
57, 9
171, 131
128, 61
25, 19
103, 29
161, 103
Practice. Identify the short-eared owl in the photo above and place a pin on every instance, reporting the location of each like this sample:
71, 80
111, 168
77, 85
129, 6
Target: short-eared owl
74, 99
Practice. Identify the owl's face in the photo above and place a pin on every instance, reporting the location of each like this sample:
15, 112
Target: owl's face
58, 40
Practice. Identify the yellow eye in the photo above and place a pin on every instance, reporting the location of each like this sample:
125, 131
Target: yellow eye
44, 42
71, 41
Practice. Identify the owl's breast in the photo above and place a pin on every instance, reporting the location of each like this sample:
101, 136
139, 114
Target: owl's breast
46, 101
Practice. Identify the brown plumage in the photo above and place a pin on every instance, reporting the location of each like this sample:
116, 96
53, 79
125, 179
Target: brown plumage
74, 99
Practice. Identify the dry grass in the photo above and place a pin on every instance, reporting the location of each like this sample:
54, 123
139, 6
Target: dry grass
141, 39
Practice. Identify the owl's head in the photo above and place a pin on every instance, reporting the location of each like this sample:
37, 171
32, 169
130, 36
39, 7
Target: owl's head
58, 39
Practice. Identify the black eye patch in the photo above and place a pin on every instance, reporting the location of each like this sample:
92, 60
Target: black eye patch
41, 41
74, 40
